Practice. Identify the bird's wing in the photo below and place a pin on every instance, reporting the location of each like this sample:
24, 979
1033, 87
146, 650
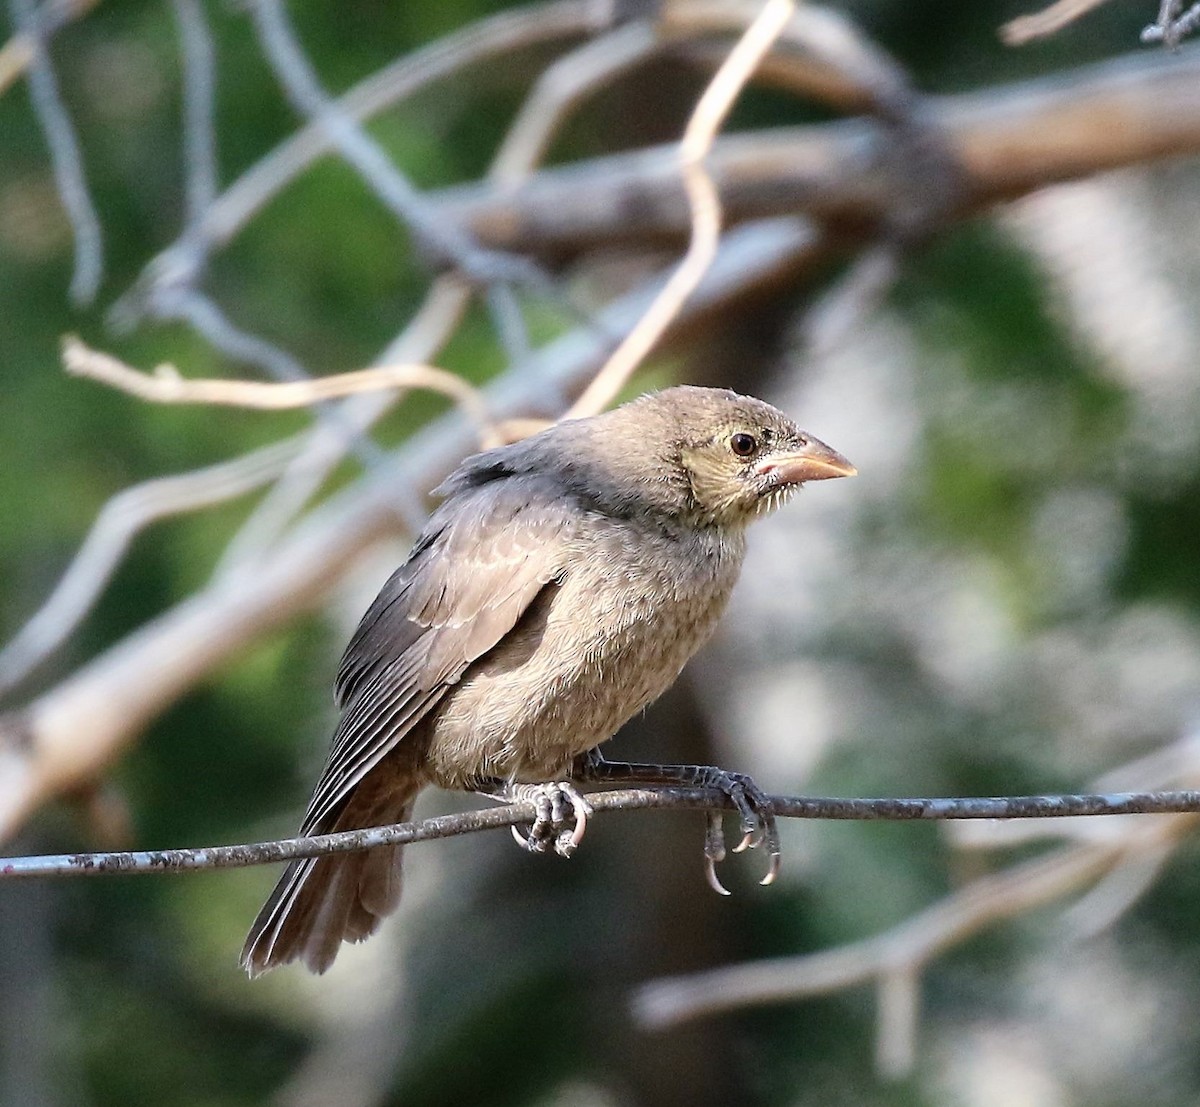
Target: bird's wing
477, 567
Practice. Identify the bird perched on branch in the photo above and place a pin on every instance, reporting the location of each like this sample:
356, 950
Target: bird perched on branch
559, 588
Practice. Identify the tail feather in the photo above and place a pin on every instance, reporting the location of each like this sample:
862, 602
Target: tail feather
319, 903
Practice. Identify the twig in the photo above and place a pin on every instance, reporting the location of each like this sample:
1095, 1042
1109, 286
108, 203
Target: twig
200, 144
1007, 141
420, 340
1026, 28
822, 53
19, 51
496, 36
560, 88
704, 202
631, 799
1171, 28
904, 949
120, 520
166, 386
448, 241
185, 302
65, 156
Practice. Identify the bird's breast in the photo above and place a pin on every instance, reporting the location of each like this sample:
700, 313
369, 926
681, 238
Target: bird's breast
631, 606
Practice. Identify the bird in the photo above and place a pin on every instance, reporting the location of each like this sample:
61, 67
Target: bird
560, 586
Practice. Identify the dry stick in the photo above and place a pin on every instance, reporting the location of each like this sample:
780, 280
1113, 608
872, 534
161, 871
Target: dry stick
166, 386
894, 959
425, 334
119, 521
20, 50
496, 36
705, 204
827, 58
1008, 140
631, 799
553, 98
561, 87
1026, 28
66, 157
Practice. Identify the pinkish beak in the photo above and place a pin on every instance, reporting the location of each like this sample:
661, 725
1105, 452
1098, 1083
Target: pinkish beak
813, 461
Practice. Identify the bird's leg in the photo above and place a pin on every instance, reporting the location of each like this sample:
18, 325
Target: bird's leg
561, 813
753, 807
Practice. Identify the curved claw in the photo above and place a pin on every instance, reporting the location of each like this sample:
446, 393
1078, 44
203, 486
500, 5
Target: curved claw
759, 827
560, 816
710, 873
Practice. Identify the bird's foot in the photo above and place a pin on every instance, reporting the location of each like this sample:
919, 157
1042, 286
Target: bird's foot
561, 818
749, 800
759, 827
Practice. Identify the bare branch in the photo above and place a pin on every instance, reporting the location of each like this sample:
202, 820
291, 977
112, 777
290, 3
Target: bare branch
560, 88
65, 156
200, 144
496, 36
821, 53
166, 386
1006, 141
19, 51
906, 948
1173, 24
120, 521
449, 242
703, 200
631, 799
1026, 28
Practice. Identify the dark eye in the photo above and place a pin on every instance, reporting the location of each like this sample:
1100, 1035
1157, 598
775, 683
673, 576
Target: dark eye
744, 445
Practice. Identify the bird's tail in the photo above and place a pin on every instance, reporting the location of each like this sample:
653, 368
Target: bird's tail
321, 902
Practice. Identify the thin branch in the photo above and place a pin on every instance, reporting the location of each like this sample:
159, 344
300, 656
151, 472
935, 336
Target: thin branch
905, 948
65, 157
1026, 28
200, 144
822, 54
1007, 141
704, 202
166, 386
422, 338
449, 242
631, 799
498, 35
560, 88
20, 50
1173, 24
120, 521
183, 302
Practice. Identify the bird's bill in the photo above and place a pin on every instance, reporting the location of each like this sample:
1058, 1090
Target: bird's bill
813, 461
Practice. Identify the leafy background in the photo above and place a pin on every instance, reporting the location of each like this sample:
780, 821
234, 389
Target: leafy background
1005, 601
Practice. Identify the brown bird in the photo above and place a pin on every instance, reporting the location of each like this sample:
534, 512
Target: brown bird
559, 588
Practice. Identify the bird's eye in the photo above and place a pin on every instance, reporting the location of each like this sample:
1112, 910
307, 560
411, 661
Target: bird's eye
744, 445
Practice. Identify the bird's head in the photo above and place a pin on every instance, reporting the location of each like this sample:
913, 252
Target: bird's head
742, 457
705, 454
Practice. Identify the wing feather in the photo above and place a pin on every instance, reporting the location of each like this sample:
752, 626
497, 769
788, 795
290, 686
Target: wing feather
480, 563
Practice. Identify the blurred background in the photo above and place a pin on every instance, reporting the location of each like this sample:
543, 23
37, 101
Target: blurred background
1005, 601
